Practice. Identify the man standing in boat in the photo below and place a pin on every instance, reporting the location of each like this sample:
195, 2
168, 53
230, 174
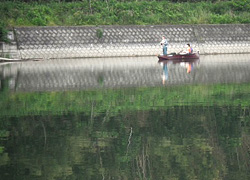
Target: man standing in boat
164, 44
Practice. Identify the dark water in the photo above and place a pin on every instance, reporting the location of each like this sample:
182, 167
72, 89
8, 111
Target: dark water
126, 118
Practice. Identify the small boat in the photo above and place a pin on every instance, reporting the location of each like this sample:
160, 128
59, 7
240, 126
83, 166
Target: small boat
183, 57
179, 61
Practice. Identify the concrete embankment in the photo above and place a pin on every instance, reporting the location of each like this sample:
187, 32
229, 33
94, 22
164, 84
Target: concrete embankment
111, 41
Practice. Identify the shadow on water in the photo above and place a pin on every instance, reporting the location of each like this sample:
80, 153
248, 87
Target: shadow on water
126, 118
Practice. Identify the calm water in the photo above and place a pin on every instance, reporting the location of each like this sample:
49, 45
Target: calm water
126, 118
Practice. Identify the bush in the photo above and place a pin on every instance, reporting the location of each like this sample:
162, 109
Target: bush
240, 5
222, 19
220, 7
39, 15
3, 32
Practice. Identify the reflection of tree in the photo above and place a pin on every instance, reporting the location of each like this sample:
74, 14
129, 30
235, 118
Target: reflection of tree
122, 138
57, 103
240, 155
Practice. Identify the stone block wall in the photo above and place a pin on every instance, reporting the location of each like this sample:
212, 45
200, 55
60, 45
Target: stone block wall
223, 38
99, 41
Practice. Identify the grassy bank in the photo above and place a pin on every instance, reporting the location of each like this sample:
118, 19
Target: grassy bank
115, 12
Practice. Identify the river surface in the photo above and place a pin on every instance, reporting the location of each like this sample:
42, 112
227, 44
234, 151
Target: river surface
126, 118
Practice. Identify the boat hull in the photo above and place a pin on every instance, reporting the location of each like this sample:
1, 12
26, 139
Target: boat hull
183, 57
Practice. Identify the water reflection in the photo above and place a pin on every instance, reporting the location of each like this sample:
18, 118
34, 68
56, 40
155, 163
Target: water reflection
77, 74
165, 72
192, 142
122, 123
187, 64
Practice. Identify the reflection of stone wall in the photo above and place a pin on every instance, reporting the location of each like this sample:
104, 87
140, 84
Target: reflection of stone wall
93, 41
76, 74
92, 73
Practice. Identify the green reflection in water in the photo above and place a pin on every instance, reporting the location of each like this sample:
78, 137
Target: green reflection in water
181, 132
116, 100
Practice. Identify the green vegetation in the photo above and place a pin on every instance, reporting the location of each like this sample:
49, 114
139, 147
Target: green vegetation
119, 12
193, 131
195, 141
176, 132
99, 33
3, 32
120, 100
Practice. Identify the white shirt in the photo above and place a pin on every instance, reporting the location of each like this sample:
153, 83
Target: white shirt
164, 42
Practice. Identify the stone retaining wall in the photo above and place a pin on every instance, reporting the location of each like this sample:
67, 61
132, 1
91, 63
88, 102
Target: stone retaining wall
99, 41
